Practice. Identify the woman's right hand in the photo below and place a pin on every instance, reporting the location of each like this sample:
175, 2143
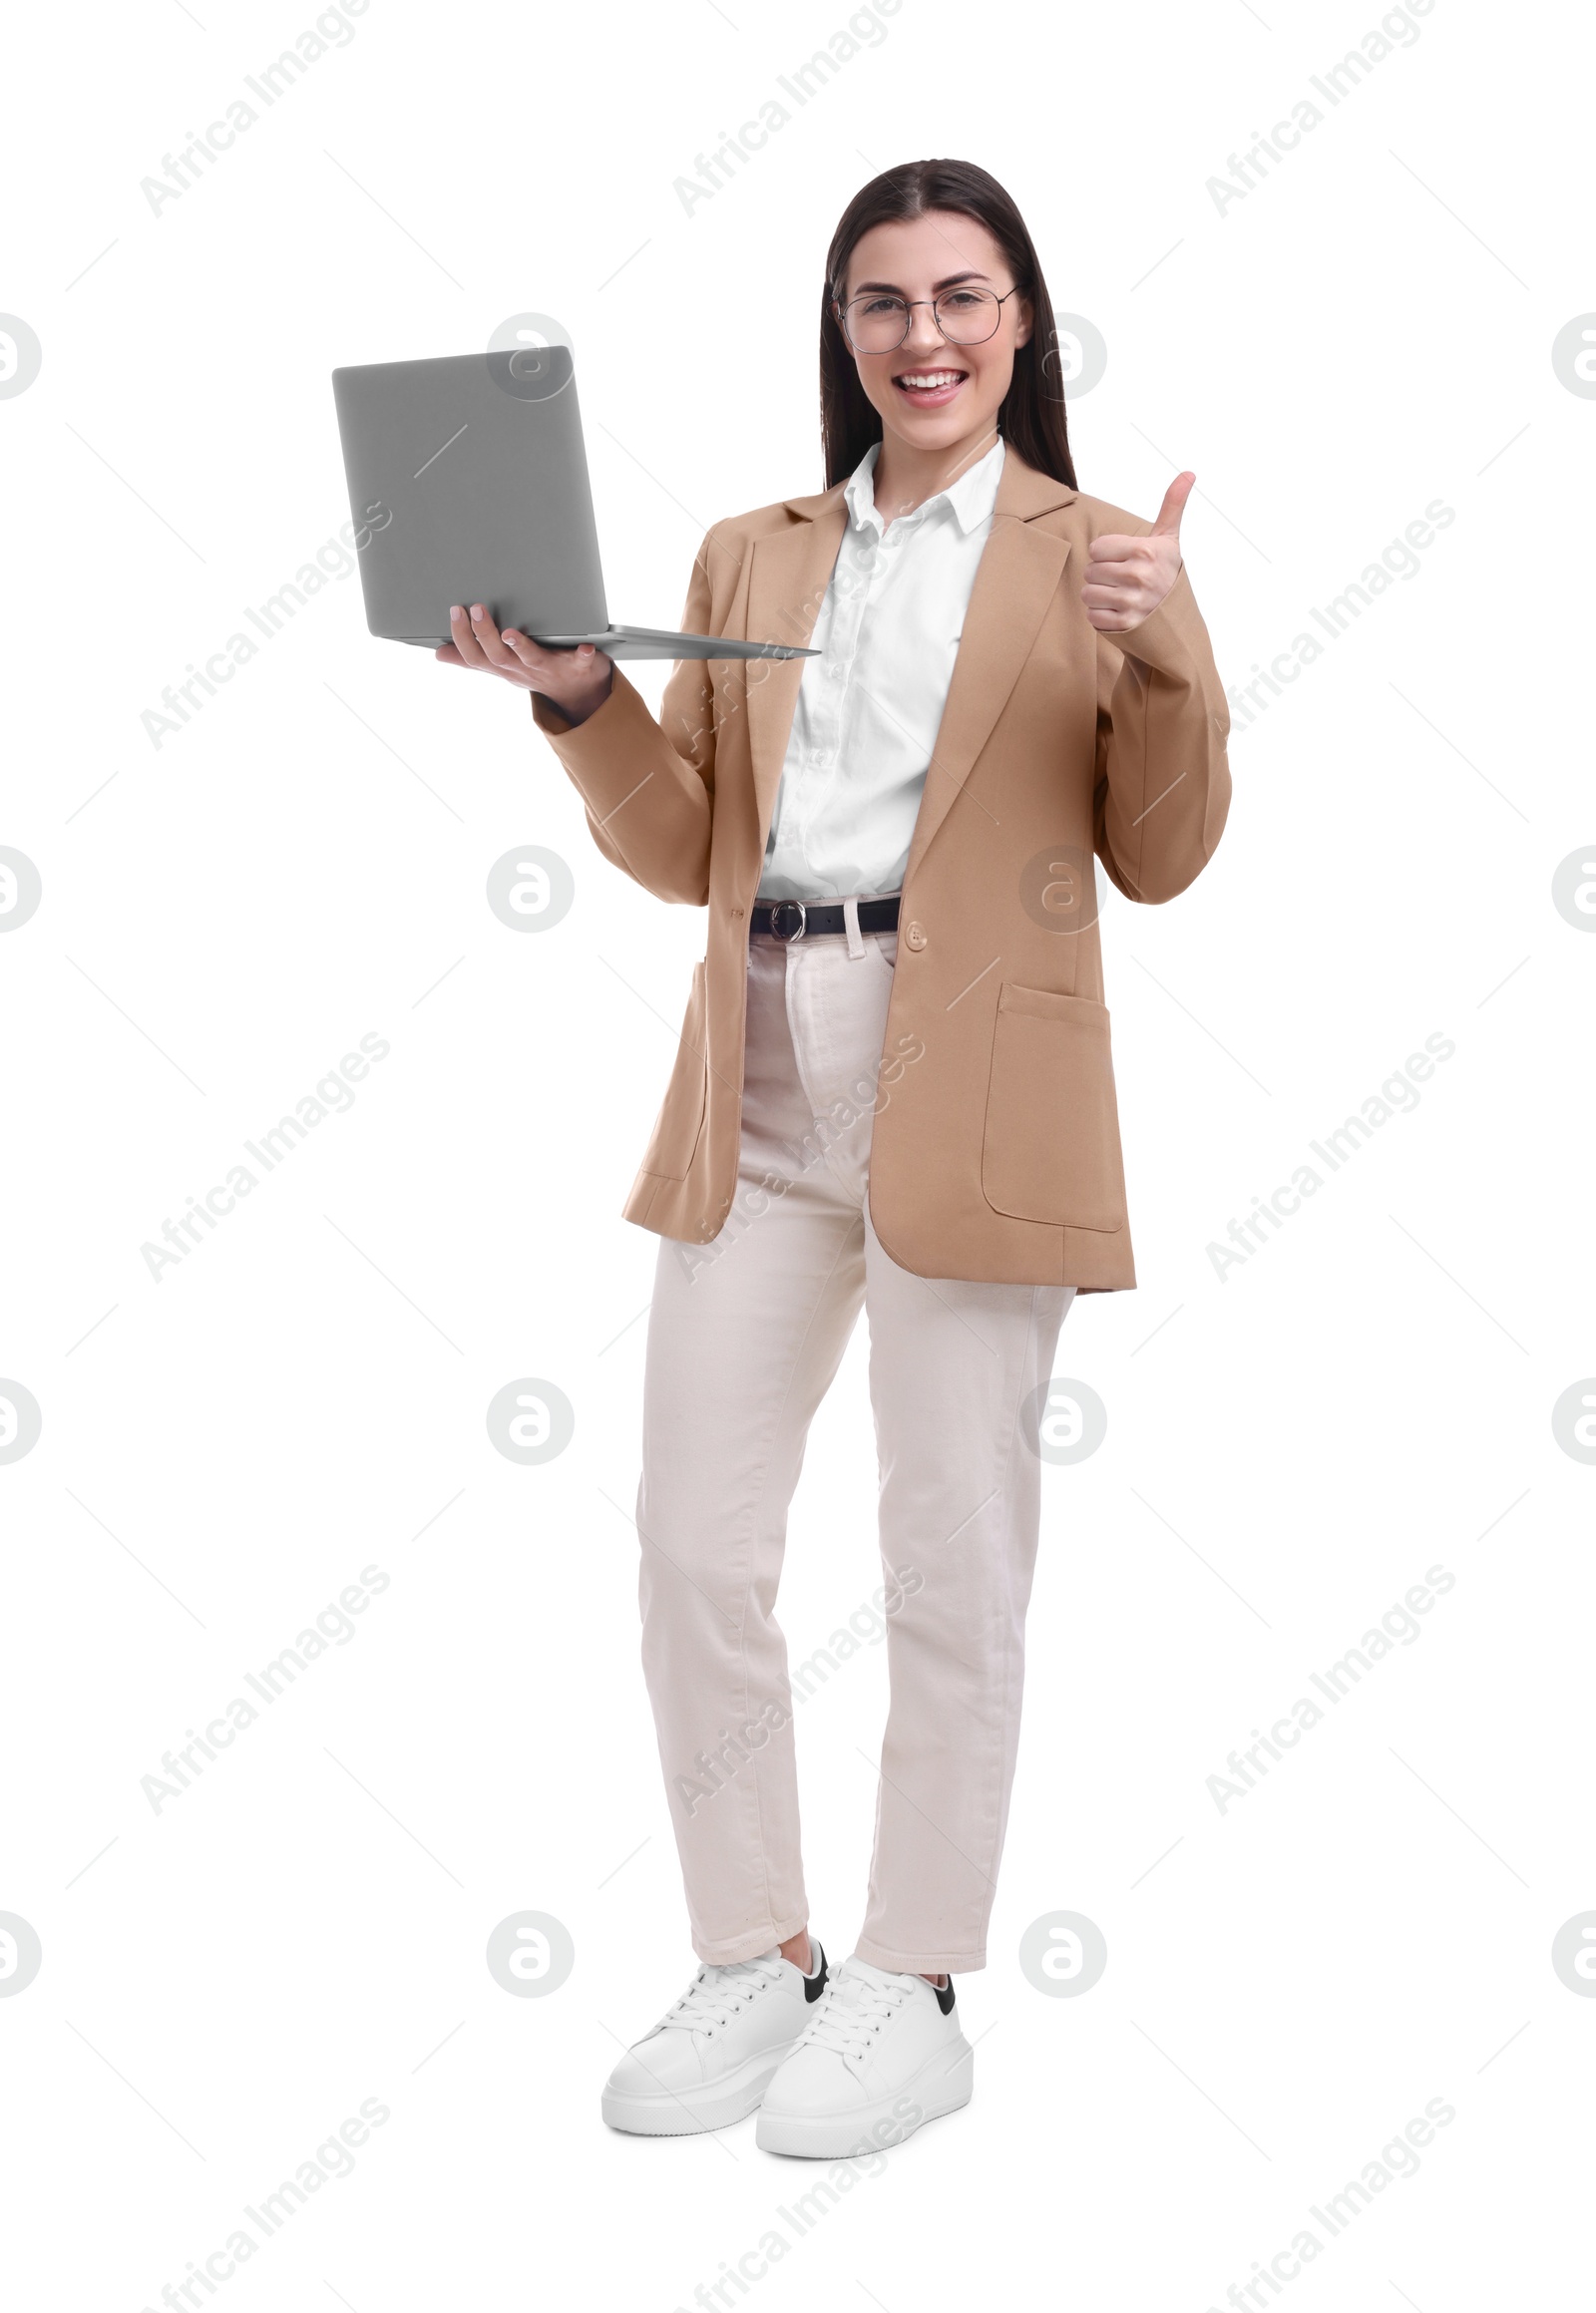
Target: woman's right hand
576, 681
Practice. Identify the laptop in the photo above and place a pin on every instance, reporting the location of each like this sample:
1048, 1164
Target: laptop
468, 483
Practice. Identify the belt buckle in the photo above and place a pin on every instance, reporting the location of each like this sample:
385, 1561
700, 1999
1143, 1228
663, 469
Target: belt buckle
803, 917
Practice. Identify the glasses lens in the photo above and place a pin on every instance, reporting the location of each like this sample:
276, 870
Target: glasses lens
877, 324
967, 316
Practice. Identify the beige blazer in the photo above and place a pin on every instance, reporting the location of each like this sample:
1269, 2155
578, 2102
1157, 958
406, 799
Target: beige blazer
996, 1142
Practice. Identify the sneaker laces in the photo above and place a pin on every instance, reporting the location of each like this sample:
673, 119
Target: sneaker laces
716, 1993
852, 2010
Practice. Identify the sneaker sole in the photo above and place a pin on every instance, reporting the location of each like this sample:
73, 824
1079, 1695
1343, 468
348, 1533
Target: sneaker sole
696, 2112
939, 2086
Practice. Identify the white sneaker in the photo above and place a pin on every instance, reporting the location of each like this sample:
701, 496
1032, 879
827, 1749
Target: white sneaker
881, 2054
708, 2060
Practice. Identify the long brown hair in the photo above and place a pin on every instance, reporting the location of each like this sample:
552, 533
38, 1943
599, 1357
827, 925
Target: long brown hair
1031, 417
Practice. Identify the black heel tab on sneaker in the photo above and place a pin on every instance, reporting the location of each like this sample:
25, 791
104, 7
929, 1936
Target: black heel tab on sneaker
816, 1984
944, 1995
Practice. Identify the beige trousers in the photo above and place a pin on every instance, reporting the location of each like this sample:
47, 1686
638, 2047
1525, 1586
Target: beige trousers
745, 1333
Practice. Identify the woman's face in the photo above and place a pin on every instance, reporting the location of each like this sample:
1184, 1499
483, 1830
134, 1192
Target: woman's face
934, 395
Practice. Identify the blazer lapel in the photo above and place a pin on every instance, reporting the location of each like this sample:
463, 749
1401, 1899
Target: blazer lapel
791, 570
1015, 579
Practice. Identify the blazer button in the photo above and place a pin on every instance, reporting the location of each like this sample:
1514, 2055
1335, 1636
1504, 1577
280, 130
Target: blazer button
916, 934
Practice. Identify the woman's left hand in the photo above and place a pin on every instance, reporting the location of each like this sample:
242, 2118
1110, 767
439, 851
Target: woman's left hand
1127, 577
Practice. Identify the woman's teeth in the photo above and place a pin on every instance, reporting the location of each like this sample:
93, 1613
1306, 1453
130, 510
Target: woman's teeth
926, 379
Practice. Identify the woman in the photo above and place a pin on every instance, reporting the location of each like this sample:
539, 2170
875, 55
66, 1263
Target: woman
893, 1089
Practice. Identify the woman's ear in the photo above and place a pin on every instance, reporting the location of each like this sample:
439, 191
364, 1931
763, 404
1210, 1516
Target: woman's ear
1026, 321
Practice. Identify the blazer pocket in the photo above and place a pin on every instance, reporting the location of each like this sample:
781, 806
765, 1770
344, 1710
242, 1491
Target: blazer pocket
677, 1128
1050, 1145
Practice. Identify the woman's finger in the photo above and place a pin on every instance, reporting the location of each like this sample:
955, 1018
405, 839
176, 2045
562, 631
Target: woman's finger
465, 642
485, 630
1112, 546
562, 675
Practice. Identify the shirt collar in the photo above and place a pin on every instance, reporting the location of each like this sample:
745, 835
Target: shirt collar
971, 497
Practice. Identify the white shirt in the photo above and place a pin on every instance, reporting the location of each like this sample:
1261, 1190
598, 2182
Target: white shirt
868, 706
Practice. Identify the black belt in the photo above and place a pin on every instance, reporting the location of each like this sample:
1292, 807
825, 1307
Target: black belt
804, 919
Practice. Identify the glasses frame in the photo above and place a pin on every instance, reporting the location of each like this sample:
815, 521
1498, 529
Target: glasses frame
909, 303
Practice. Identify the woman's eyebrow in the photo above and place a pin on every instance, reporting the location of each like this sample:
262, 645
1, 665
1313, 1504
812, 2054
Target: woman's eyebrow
948, 281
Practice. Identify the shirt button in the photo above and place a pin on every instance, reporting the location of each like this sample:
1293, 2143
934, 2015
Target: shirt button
916, 936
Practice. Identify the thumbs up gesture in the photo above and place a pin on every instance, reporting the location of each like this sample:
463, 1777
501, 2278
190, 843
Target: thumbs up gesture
1127, 577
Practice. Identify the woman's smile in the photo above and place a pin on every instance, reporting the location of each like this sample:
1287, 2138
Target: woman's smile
929, 386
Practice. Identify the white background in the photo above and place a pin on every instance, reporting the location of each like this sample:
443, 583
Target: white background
1289, 1448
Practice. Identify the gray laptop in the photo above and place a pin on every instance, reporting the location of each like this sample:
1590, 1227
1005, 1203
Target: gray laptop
468, 483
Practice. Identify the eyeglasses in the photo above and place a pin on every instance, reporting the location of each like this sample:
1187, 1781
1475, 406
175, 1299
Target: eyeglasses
877, 322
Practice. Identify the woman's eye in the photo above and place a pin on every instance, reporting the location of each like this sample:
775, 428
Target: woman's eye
883, 304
